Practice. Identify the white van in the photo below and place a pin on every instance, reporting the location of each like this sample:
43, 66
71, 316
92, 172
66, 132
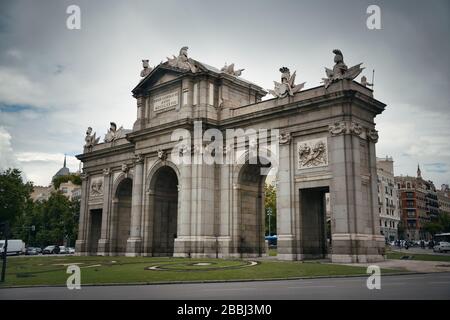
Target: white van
15, 246
441, 242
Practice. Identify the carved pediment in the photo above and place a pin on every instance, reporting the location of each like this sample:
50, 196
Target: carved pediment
161, 74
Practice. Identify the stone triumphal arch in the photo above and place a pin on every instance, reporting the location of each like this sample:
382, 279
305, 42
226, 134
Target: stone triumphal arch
152, 190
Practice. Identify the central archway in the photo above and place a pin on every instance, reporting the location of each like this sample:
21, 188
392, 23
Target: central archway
251, 217
164, 204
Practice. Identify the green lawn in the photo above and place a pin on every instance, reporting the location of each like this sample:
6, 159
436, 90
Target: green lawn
102, 270
423, 257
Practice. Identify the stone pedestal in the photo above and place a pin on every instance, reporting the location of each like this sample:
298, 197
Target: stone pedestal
103, 247
133, 247
80, 248
357, 248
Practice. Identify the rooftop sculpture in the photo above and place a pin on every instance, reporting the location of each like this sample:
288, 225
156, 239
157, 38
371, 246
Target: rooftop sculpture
365, 83
182, 61
90, 139
340, 70
146, 69
114, 133
287, 85
230, 70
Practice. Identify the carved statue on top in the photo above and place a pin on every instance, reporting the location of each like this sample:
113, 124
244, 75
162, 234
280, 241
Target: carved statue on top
90, 139
182, 61
287, 85
340, 70
230, 70
365, 83
146, 69
114, 133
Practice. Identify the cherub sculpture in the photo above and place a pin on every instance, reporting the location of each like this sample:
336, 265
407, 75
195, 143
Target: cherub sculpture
287, 85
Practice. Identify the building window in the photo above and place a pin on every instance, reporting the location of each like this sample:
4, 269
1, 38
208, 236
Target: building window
195, 89
211, 94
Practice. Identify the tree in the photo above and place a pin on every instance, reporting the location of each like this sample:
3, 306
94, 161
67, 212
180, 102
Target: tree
14, 195
76, 179
442, 224
55, 221
270, 204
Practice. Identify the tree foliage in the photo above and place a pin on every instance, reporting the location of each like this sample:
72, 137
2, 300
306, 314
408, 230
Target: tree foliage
14, 195
76, 179
50, 221
442, 224
270, 203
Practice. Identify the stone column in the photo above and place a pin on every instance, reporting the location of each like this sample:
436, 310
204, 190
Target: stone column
103, 242
134, 241
285, 205
80, 244
183, 241
351, 195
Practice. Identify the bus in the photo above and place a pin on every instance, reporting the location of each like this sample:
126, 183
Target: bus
441, 242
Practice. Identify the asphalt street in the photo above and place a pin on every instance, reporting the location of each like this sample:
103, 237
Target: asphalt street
413, 286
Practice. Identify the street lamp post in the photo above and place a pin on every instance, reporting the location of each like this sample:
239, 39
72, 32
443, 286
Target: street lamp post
5, 226
269, 213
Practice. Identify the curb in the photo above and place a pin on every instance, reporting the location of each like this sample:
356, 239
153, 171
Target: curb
218, 281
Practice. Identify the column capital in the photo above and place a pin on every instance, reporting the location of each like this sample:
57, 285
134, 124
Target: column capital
372, 135
285, 138
337, 128
139, 158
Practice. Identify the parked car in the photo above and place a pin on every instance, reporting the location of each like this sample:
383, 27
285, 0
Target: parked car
442, 246
31, 251
50, 250
63, 250
38, 250
71, 250
15, 246
272, 241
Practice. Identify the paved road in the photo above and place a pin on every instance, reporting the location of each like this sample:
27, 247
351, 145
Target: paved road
417, 286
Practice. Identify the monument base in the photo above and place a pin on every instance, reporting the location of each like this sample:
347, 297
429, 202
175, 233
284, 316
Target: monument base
103, 247
133, 247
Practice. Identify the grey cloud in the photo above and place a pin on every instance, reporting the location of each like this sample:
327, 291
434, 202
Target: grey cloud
101, 62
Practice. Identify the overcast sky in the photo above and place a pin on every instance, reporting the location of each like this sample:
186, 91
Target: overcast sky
56, 82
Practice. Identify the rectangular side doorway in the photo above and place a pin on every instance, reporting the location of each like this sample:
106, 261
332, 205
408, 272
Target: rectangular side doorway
313, 223
94, 229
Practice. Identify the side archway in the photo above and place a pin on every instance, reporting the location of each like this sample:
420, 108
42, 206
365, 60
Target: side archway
162, 209
121, 214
